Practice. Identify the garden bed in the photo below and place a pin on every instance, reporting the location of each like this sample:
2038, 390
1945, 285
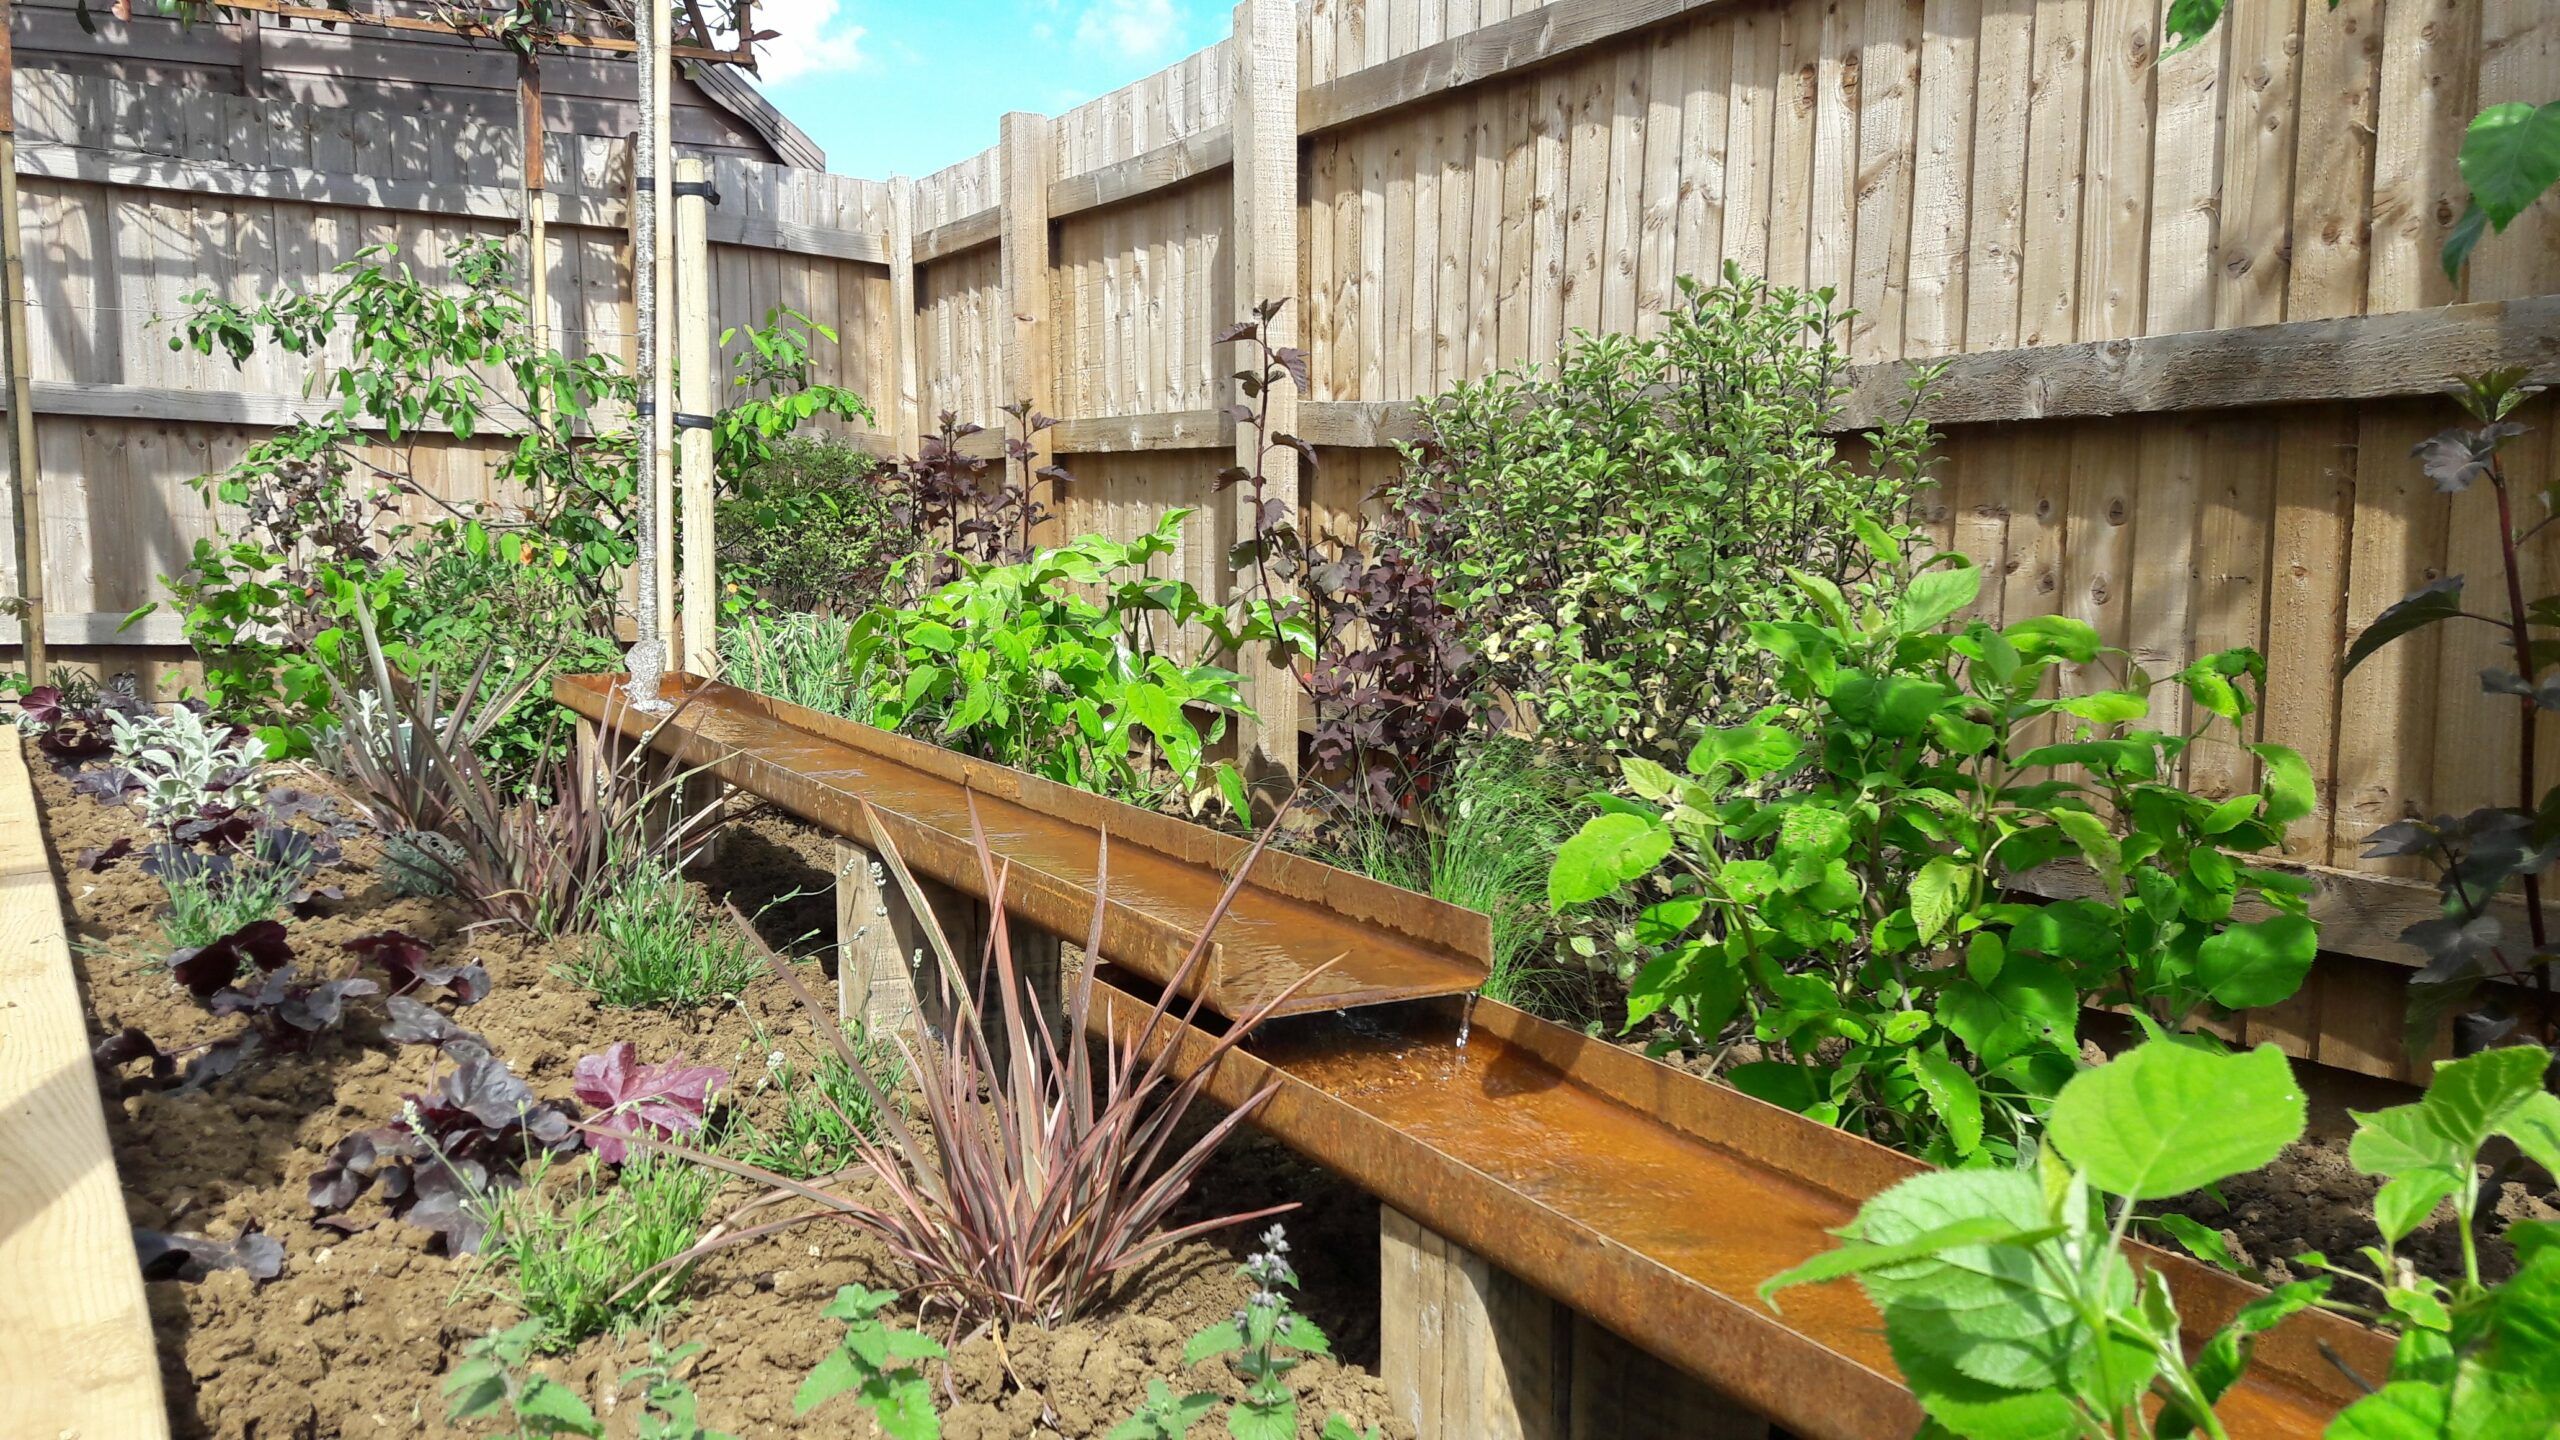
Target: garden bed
354, 1334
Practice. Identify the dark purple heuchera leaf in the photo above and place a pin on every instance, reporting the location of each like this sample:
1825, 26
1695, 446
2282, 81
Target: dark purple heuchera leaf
43, 705
131, 1044
413, 1023
291, 1009
193, 1257
108, 785
404, 958
633, 1100
99, 859
473, 1129
209, 968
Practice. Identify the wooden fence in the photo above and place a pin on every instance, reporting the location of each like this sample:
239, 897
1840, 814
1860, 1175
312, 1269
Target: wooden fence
2189, 304
136, 197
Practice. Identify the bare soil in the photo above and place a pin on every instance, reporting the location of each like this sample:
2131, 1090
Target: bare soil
353, 1337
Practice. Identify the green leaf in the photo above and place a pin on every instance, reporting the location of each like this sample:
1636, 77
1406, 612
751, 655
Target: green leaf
2401, 1410
903, 1404
2462, 239
2259, 962
2510, 156
835, 1375
1608, 852
1857, 1257
2288, 788
557, 1405
2406, 1201
2190, 21
2166, 1118
1934, 596
2470, 1099
1755, 750
1222, 1338
1275, 1419
2108, 707
1935, 892
1993, 1308
2438, 600
2046, 637
1953, 1094
2197, 1239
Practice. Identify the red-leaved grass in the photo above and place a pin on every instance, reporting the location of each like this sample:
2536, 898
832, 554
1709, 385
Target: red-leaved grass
1032, 1174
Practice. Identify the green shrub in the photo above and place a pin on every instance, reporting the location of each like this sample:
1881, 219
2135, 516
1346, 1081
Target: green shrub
1834, 872
810, 529
1605, 528
653, 948
569, 1248
1065, 665
827, 1110
796, 658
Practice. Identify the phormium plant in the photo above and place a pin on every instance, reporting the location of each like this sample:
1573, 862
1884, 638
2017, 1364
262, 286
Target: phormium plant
1031, 1174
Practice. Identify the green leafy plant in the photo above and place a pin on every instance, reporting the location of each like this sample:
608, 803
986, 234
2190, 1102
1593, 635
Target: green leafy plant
668, 1410
215, 893
1486, 841
583, 1254
827, 1113
797, 658
494, 1382
2013, 1311
2479, 855
1265, 1340
1065, 665
652, 947
269, 604
809, 528
1604, 527
877, 1365
2008, 1300
1835, 870
2474, 1359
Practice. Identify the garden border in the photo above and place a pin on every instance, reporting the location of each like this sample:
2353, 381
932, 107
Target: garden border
81, 1359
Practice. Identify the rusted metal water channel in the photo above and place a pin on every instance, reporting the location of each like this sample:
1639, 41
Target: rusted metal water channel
1647, 1199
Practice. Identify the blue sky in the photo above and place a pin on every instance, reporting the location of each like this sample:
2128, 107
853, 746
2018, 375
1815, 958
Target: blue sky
898, 87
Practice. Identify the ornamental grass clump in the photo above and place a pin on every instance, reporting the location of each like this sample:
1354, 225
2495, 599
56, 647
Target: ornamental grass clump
1031, 1174
548, 857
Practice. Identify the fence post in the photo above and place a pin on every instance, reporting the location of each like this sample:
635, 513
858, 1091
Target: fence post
1023, 164
1264, 241
26, 474
693, 406
899, 410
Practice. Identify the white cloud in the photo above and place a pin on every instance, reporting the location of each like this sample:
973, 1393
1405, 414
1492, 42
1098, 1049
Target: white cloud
811, 42
1129, 29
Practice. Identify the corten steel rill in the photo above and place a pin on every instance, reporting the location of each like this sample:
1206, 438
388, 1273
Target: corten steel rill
1385, 944
1643, 1197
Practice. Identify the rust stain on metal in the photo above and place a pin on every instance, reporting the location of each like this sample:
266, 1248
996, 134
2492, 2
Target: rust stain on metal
1294, 915
1656, 1203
